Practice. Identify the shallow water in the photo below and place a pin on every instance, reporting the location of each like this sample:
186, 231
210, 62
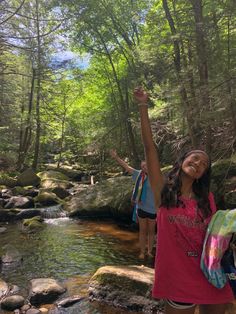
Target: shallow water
69, 251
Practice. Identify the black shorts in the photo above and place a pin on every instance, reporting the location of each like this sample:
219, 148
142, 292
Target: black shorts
143, 214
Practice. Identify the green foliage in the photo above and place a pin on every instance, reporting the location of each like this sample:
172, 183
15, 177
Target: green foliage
128, 43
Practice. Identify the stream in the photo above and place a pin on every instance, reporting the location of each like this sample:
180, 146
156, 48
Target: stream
70, 251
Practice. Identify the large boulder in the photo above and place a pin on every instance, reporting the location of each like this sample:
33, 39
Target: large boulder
126, 287
108, 198
28, 177
44, 290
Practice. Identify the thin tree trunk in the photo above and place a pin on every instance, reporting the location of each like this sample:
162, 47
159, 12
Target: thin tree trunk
38, 89
25, 134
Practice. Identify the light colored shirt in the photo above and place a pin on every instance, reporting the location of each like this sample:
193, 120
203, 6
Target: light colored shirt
147, 203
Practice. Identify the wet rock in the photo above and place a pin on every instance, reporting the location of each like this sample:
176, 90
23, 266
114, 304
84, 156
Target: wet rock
43, 310
69, 301
125, 287
33, 311
6, 193
28, 177
25, 307
44, 290
19, 202
28, 213
3, 229
11, 255
12, 302
33, 224
3, 288
8, 214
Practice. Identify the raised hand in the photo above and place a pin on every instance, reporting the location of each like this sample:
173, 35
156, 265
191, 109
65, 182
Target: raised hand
113, 153
140, 95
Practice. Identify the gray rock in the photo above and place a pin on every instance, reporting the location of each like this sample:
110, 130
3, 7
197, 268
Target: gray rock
108, 198
12, 302
44, 290
19, 202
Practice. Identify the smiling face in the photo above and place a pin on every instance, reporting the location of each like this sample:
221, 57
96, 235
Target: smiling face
144, 166
195, 164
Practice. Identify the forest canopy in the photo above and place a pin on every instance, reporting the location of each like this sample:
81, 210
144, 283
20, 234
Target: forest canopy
55, 108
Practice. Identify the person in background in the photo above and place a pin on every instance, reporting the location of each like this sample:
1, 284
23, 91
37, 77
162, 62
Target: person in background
144, 204
185, 208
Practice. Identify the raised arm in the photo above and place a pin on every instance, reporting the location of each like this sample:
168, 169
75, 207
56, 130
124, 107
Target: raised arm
121, 162
154, 170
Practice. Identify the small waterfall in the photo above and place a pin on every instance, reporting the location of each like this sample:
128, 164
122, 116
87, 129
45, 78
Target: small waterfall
52, 212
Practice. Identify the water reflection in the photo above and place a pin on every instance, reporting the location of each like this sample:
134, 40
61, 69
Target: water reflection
69, 251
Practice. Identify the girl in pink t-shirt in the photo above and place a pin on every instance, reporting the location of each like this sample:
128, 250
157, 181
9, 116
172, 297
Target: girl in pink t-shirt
185, 209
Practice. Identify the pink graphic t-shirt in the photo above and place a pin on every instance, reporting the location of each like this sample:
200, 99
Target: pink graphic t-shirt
180, 236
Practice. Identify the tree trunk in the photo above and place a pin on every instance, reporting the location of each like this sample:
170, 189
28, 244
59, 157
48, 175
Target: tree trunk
202, 68
38, 89
183, 92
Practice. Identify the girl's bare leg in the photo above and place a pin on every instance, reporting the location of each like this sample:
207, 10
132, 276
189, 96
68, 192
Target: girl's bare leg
212, 308
151, 235
143, 227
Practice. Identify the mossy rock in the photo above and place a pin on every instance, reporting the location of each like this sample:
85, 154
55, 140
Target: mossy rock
55, 183
47, 198
135, 279
18, 190
33, 223
50, 174
6, 180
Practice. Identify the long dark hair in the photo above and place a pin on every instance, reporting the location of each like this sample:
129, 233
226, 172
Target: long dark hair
170, 195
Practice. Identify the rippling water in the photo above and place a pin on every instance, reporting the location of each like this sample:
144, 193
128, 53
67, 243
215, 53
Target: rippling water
70, 251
